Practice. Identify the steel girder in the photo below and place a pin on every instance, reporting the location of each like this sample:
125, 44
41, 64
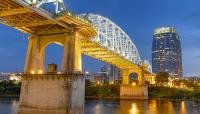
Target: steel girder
114, 38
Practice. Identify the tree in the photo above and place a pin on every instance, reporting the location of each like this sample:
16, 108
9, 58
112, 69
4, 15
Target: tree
2, 90
162, 78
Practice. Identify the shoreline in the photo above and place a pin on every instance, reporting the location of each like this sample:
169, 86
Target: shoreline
9, 96
108, 98
118, 98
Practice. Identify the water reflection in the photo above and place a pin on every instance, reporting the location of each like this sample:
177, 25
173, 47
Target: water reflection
183, 108
134, 109
9, 106
157, 107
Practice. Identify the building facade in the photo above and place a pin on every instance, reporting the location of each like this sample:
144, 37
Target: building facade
115, 74
166, 52
104, 73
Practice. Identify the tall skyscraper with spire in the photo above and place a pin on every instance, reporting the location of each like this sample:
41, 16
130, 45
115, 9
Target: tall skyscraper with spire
166, 52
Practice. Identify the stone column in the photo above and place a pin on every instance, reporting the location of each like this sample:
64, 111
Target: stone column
125, 80
28, 55
140, 76
72, 62
35, 56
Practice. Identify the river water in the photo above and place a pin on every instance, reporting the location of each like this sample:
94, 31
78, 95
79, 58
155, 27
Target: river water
9, 106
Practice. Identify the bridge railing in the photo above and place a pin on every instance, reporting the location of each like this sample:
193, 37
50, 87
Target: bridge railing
61, 13
67, 77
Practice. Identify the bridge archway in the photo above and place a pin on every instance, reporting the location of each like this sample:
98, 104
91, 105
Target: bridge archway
71, 61
130, 74
133, 78
53, 53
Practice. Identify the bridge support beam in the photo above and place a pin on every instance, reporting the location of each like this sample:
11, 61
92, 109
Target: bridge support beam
71, 62
133, 91
53, 93
35, 56
72, 54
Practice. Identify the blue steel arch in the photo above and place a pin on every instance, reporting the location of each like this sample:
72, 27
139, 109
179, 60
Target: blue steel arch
110, 35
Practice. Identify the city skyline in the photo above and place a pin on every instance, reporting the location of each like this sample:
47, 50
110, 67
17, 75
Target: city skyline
139, 27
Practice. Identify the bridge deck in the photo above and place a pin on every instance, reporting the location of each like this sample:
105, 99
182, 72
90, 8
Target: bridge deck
28, 19
96, 50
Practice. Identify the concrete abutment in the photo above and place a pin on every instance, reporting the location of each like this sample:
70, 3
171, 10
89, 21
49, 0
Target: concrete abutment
133, 91
62, 94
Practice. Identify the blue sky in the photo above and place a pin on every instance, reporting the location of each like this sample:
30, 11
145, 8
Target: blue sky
138, 18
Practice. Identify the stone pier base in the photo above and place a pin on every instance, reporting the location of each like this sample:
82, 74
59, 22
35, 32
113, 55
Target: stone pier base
52, 94
133, 92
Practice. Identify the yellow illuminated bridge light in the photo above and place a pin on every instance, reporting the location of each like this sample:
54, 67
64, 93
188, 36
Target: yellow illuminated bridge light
32, 72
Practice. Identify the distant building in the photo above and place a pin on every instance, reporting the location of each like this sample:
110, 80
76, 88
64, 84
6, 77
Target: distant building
10, 76
166, 52
150, 78
96, 78
115, 74
104, 73
193, 78
4, 77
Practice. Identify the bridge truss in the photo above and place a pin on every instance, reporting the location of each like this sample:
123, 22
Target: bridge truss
102, 39
114, 38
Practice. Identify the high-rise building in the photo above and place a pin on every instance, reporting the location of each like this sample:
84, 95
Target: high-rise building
166, 52
115, 74
104, 73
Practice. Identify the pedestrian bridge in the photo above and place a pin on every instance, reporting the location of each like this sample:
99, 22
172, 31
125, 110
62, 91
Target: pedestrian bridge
89, 34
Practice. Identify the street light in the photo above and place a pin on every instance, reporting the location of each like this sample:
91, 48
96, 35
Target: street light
32, 72
86, 73
111, 83
133, 84
181, 84
40, 72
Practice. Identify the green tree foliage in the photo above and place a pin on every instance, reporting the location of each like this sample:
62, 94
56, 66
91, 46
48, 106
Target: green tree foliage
162, 78
101, 90
2, 89
11, 87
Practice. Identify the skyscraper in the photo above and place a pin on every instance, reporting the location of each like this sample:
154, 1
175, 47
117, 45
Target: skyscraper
104, 73
115, 74
166, 52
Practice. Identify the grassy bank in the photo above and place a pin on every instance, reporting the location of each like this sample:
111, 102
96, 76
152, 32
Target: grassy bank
173, 93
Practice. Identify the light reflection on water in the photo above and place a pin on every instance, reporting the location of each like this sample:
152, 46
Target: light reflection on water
9, 106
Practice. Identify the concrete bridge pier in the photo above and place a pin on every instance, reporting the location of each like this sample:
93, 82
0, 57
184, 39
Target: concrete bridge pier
133, 91
53, 93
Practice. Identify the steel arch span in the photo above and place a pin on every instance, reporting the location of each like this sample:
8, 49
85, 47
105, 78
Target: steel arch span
111, 36
148, 66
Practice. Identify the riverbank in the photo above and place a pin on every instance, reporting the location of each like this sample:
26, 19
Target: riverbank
10, 88
110, 91
173, 93
10, 96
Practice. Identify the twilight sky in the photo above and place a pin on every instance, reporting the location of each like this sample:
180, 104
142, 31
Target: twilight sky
138, 18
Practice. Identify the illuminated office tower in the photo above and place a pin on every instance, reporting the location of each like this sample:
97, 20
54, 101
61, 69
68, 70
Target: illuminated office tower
166, 52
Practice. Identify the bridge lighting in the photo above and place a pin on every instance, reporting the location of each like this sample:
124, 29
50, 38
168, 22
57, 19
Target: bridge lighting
181, 86
111, 83
40, 72
133, 84
86, 73
32, 72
